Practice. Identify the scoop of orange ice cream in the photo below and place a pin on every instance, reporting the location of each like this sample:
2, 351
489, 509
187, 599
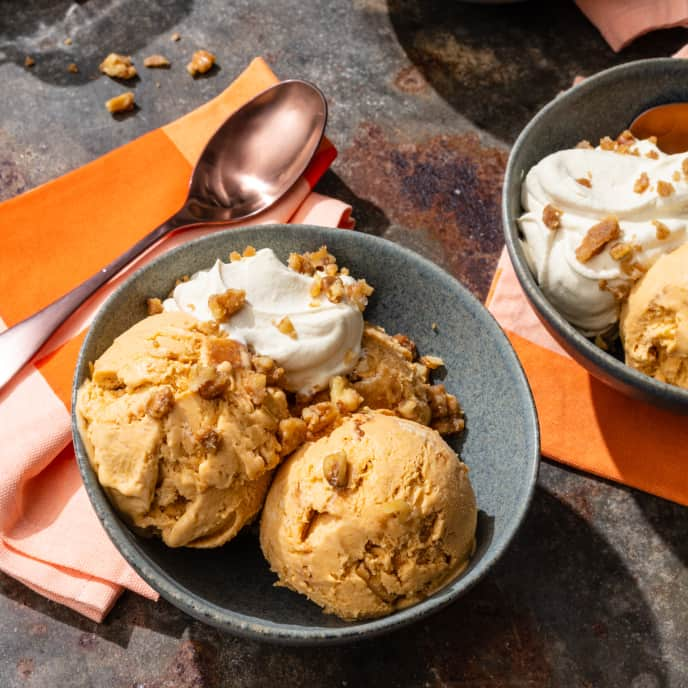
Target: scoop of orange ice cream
654, 320
372, 518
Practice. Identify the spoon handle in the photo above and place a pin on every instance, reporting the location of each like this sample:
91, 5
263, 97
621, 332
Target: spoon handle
21, 342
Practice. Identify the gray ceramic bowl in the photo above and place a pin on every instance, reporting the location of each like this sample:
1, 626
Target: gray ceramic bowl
232, 586
602, 105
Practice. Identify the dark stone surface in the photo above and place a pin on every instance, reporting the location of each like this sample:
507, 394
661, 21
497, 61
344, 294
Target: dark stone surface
425, 98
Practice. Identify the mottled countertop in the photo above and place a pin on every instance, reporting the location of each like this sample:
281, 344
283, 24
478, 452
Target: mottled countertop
425, 99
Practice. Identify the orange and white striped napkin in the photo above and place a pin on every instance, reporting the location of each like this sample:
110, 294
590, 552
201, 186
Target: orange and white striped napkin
53, 237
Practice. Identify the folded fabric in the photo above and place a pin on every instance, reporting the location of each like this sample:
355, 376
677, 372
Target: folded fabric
583, 422
54, 237
622, 21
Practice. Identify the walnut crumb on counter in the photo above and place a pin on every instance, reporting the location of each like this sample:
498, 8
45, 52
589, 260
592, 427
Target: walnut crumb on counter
156, 61
73, 68
118, 66
121, 103
201, 62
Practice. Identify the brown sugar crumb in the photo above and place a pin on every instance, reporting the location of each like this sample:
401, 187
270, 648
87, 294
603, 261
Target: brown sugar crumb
201, 62
661, 230
652, 154
29, 61
224, 306
597, 237
121, 103
156, 61
585, 144
285, 326
343, 396
175, 37
665, 188
160, 403
73, 68
584, 181
118, 66
551, 216
621, 251
154, 306
641, 183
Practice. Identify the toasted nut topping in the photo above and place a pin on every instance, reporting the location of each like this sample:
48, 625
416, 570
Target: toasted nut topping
319, 416
118, 66
665, 188
345, 397
154, 306
175, 36
234, 256
121, 103
606, 143
619, 290
584, 181
432, 362
156, 61
597, 238
584, 144
336, 469
551, 216
652, 154
249, 252
29, 61
620, 251
73, 68
641, 183
291, 434
662, 231
209, 440
316, 285
212, 382
285, 326
634, 270
201, 62
224, 306
160, 402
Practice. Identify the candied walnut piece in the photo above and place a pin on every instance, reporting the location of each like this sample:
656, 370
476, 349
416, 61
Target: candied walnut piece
224, 306
641, 183
156, 61
625, 137
201, 62
154, 306
432, 362
291, 434
358, 293
29, 61
415, 409
343, 396
653, 154
584, 181
121, 103
285, 326
597, 237
160, 402
266, 365
209, 440
319, 416
606, 143
212, 382
661, 230
73, 68
255, 385
223, 349
118, 66
447, 416
551, 216
585, 144
336, 469
621, 251
665, 188
67, 41
408, 347
249, 252
307, 263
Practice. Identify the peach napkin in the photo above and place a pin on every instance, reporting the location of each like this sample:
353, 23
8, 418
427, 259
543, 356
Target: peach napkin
622, 21
584, 423
53, 237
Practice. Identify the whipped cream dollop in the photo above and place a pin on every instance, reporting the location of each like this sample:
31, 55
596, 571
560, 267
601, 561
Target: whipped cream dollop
587, 185
327, 338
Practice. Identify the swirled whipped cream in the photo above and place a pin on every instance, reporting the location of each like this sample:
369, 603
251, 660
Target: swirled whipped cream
570, 191
326, 336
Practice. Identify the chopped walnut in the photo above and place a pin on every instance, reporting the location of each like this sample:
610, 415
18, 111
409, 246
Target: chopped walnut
212, 382
209, 440
121, 103
308, 263
343, 396
175, 36
285, 326
551, 216
156, 61
266, 365
625, 137
336, 469
249, 252
606, 143
585, 144
653, 154
154, 306
333, 288
118, 66
432, 362
201, 62
665, 188
358, 293
29, 61
447, 416
619, 290
641, 183
221, 349
234, 256
224, 306
621, 251
255, 385
584, 181
291, 434
160, 403
319, 416
661, 230
633, 270
73, 68
597, 237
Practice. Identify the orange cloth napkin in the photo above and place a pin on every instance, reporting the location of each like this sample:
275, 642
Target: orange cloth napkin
622, 21
53, 237
583, 422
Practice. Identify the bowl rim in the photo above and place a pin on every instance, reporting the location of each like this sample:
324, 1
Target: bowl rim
648, 387
265, 630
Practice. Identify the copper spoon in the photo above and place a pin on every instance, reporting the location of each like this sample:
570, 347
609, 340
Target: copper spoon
669, 123
251, 161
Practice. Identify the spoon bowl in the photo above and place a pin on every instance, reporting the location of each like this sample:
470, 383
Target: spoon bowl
669, 123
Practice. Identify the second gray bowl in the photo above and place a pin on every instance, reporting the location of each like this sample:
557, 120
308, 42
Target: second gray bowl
602, 105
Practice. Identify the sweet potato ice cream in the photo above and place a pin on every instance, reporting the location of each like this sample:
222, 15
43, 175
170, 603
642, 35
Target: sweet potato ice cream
371, 518
181, 430
654, 320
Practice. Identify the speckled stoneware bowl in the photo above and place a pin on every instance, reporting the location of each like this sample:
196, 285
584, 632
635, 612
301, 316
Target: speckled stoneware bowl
602, 105
232, 586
